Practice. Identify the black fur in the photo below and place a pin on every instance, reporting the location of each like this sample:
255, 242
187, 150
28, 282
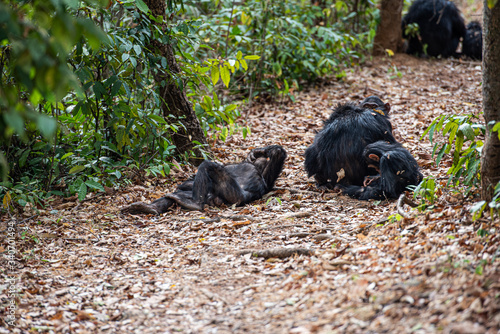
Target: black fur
472, 45
397, 170
440, 28
215, 184
340, 144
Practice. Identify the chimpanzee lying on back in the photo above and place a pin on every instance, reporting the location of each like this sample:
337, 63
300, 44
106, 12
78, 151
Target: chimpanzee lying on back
215, 184
396, 167
472, 45
440, 28
336, 156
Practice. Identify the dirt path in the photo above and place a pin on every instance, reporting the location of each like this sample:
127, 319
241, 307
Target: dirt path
90, 269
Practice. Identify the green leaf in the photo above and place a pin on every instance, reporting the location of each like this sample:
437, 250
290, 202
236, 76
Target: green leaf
47, 125
225, 75
66, 155
15, 121
76, 169
158, 119
467, 130
24, 157
252, 57
216, 101
133, 61
215, 74
94, 185
244, 64
82, 192
142, 6
99, 90
239, 55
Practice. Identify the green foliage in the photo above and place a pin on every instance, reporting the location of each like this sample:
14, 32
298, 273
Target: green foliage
464, 137
412, 30
101, 117
35, 40
297, 41
491, 3
427, 191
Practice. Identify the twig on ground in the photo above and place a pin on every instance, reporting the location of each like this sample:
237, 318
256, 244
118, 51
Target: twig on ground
404, 200
317, 237
281, 226
301, 214
279, 253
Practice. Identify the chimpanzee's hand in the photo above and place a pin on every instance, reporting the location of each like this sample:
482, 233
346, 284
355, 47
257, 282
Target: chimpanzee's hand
256, 153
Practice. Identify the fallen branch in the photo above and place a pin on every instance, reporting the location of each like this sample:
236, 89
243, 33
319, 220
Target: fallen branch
240, 217
404, 200
317, 237
281, 226
301, 214
279, 253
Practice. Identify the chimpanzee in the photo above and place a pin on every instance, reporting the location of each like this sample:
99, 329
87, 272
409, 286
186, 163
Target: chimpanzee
440, 28
472, 45
396, 167
336, 156
216, 184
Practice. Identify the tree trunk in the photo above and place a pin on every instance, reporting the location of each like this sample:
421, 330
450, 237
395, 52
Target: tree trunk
175, 101
388, 34
490, 161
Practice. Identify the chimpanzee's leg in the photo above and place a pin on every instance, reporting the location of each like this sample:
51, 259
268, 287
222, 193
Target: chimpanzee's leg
272, 170
161, 205
185, 200
212, 181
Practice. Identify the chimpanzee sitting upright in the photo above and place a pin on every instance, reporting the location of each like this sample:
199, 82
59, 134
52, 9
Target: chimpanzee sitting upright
216, 184
336, 156
440, 28
396, 167
472, 45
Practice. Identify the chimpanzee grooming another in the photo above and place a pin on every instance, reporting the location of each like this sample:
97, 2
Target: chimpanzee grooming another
472, 45
216, 184
336, 156
440, 28
396, 167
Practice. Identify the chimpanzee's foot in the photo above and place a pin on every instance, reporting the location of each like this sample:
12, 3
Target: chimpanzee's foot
138, 208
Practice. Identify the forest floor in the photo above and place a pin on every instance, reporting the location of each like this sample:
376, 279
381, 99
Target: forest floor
86, 268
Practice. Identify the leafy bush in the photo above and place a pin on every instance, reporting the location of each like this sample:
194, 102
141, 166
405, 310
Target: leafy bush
297, 41
464, 135
106, 108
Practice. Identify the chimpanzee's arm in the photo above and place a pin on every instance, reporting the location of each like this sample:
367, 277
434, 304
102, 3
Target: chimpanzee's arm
364, 193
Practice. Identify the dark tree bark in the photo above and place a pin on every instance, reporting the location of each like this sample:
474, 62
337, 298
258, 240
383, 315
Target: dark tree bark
490, 161
388, 34
175, 101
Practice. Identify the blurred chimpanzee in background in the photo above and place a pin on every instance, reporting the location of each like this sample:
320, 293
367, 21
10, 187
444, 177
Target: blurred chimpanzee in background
472, 45
396, 167
440, 28
336, 156
215, 184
